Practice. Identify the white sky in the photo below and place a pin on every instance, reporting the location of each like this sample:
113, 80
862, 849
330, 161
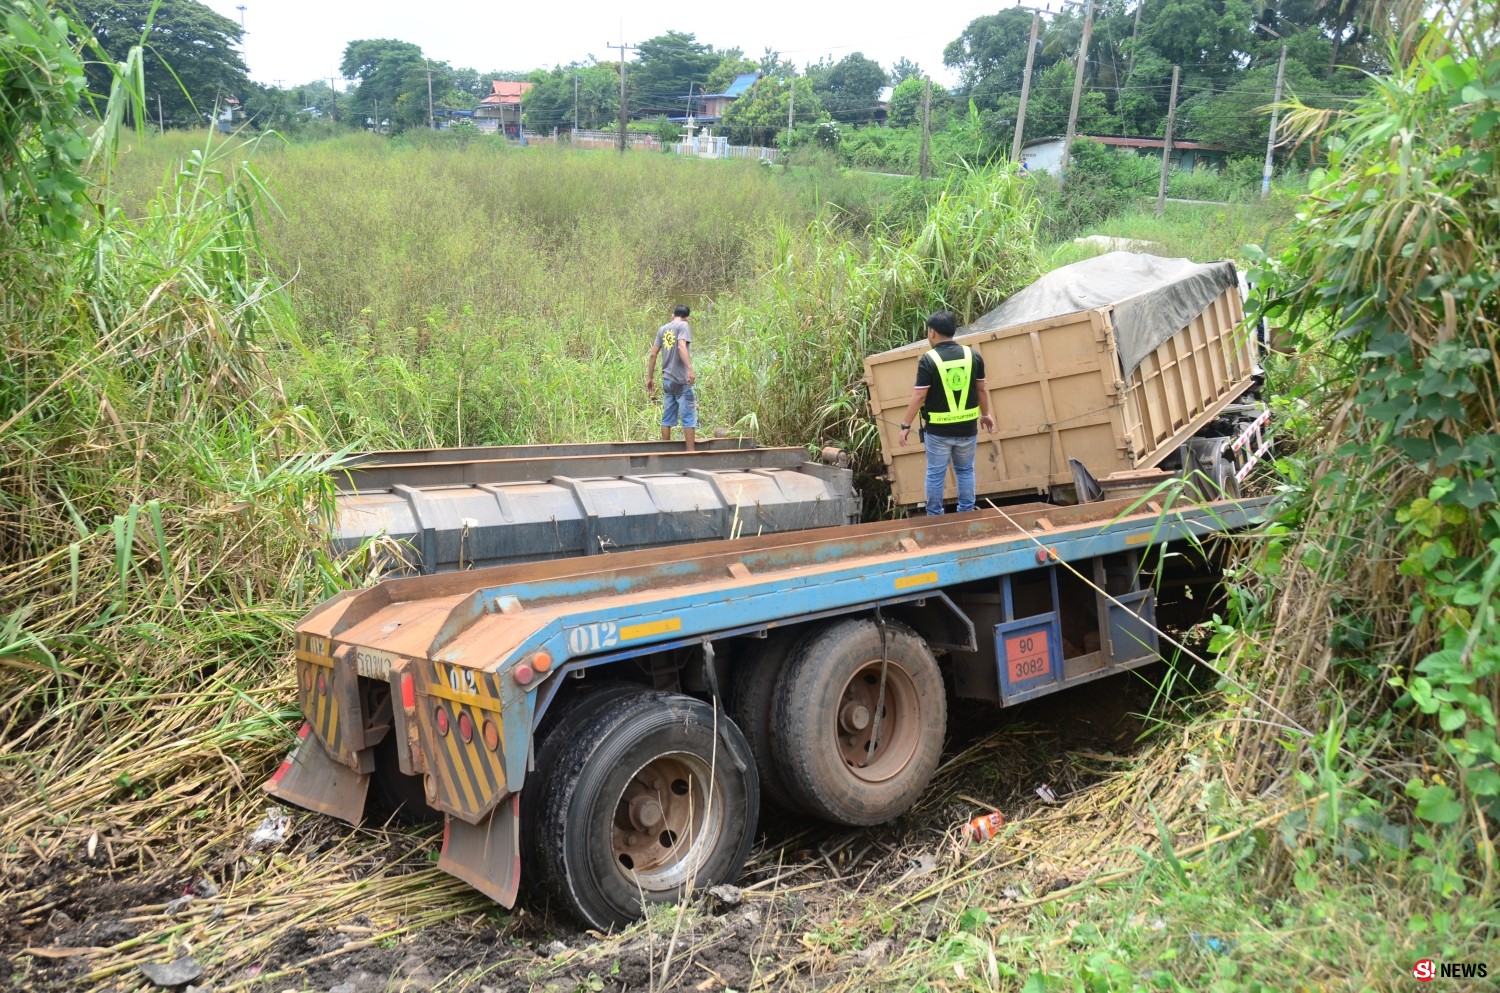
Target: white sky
297, 41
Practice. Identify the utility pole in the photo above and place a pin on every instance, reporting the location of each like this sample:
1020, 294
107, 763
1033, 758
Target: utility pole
333, 101
622, 47
1015, 146
1166, 146
161, 124
1134, 34
575, 102
1083, 58
1265, 175
926, 129
241, 9
791, 106
431, 118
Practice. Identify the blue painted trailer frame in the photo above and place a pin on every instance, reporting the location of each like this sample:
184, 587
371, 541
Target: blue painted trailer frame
489, 649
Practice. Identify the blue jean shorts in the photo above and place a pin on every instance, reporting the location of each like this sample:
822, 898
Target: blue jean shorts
677, 406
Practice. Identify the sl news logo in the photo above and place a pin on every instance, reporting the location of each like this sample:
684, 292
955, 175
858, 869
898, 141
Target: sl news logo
1427, 970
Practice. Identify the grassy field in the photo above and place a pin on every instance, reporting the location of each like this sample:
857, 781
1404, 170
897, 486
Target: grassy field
178, 363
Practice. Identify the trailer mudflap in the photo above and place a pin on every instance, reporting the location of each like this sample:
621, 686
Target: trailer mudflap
310, 778
486, 855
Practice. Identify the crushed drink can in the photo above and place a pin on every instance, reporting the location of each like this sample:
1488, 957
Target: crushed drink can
984, 827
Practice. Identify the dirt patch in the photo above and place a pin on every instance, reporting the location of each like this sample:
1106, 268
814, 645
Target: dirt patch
815, 902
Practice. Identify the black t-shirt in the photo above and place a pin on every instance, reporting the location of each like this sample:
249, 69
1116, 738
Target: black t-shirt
937, 397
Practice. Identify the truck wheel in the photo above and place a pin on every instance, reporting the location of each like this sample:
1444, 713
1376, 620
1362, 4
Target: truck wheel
828, 706
752, 692
636, 801
394, 793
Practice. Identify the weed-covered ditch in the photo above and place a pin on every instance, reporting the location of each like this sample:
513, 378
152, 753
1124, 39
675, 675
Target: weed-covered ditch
195, 330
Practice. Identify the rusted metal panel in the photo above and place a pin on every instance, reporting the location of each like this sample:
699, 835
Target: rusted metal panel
309, 777
486, 855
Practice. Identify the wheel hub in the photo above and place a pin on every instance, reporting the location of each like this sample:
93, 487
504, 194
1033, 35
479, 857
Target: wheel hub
877, 732
665, 822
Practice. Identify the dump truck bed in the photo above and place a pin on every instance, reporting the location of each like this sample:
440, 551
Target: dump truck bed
1117, 386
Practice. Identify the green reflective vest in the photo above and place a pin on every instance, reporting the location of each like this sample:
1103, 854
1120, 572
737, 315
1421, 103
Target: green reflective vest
956, 375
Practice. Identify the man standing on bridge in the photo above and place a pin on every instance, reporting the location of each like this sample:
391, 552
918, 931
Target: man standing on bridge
952, 414
677, 376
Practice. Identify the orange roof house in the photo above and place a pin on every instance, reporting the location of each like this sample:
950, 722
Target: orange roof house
503, 105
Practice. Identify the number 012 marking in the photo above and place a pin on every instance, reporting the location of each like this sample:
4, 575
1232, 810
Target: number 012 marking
593, 637
1026, 656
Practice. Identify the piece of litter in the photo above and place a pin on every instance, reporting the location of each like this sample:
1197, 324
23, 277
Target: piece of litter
178, 905
272, 830
205, 888
730, 896
184, 970
984, 827
1045, 792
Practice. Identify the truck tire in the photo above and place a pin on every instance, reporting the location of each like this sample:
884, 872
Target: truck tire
826, 712
636, 802
752, 692
395, 794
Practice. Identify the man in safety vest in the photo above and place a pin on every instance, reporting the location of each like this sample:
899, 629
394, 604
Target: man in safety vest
952, 413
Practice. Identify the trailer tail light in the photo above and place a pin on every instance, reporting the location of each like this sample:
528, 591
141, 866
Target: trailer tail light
465, 728
441, 718
522, 674
542, 661
491, 736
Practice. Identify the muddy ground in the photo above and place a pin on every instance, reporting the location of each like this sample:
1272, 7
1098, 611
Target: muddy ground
798, 918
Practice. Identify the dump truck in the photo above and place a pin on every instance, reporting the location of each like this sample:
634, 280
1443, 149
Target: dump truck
607, 728
1108, 375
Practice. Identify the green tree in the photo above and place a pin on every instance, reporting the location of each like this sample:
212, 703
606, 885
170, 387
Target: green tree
392, 76
905, 69
990, 56
905, 107
549, 102
667, 68
760, 116
732, 65
849, 88
190, 59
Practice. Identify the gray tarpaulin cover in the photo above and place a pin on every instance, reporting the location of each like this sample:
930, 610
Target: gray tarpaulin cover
1153, 298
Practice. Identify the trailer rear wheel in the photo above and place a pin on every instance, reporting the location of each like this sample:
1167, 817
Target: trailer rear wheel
859, 727
395, 793
752, 693
637, 800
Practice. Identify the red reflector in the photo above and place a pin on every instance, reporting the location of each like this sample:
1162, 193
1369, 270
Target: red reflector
408, 693
322, 682
442, 719
305, 731
491, 736
285, 767
465, 728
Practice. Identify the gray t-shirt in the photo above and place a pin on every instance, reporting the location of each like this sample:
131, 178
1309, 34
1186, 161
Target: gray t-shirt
667, 336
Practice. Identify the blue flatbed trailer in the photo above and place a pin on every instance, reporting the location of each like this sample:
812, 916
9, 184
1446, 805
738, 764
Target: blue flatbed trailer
609, 726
